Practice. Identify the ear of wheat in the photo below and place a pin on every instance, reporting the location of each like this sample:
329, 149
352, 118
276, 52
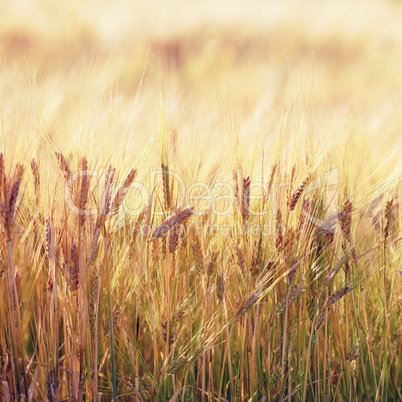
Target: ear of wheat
177, 218
198, 255
166, 189
245, 200
220, 287
64, 166
121, 192
387, 215
296, 195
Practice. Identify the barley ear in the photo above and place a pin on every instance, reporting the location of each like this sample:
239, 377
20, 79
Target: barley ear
177, 218
296, 195
387, 215
198, 256
245, 199
121, 193
73, 280
220, 287
35, 173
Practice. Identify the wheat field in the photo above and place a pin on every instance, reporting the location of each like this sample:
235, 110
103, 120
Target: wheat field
200, 201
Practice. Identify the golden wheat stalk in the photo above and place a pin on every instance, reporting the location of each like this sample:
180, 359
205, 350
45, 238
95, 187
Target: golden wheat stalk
73, 278
177, 365
248, 303
198, 256
271, 180
177, 218
336, 296
290, 298
121, 192
296, 195
353, 353
83, 192
387, 215
346, 219
220, 286
174, 239
245, 199
255, 265
166, 189
107, 192
103, 211
50, 385
93, 292
241, 260
12, 203
279, 229
235, 182
35, 173
19, 171
64, 166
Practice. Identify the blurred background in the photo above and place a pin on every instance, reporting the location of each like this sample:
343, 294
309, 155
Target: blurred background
98, 75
